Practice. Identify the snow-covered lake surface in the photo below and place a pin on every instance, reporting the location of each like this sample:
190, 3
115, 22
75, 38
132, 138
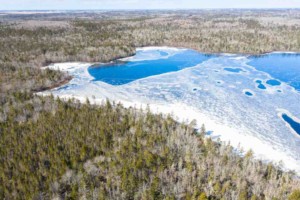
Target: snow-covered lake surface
251, 102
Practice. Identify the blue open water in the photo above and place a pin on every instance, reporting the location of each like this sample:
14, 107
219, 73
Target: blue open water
282, 66
125, 72
295, 125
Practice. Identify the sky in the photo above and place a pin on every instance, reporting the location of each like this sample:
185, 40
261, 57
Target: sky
142, 4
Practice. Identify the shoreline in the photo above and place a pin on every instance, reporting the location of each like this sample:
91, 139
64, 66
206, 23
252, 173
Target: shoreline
55, 85
184, 114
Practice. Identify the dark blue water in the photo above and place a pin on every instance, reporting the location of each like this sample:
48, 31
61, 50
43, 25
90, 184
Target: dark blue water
122, 73
295, 125
234, 70
248, 93
284, 67
273, 82
261, 86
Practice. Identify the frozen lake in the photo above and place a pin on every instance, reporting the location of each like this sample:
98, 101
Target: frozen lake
283, 66
252, 102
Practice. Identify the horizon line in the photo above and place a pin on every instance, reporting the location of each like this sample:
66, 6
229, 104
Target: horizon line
154, 9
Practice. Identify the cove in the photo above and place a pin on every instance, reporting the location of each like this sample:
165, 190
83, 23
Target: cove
120, 73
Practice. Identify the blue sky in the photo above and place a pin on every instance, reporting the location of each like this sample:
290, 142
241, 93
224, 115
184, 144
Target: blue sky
143, 4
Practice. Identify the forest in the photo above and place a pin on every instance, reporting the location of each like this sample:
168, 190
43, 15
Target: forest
56, 149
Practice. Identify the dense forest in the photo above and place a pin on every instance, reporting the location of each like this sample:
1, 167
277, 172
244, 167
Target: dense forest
72, 151
54, 149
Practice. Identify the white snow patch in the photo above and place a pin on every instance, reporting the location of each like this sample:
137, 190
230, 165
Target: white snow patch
153, 53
